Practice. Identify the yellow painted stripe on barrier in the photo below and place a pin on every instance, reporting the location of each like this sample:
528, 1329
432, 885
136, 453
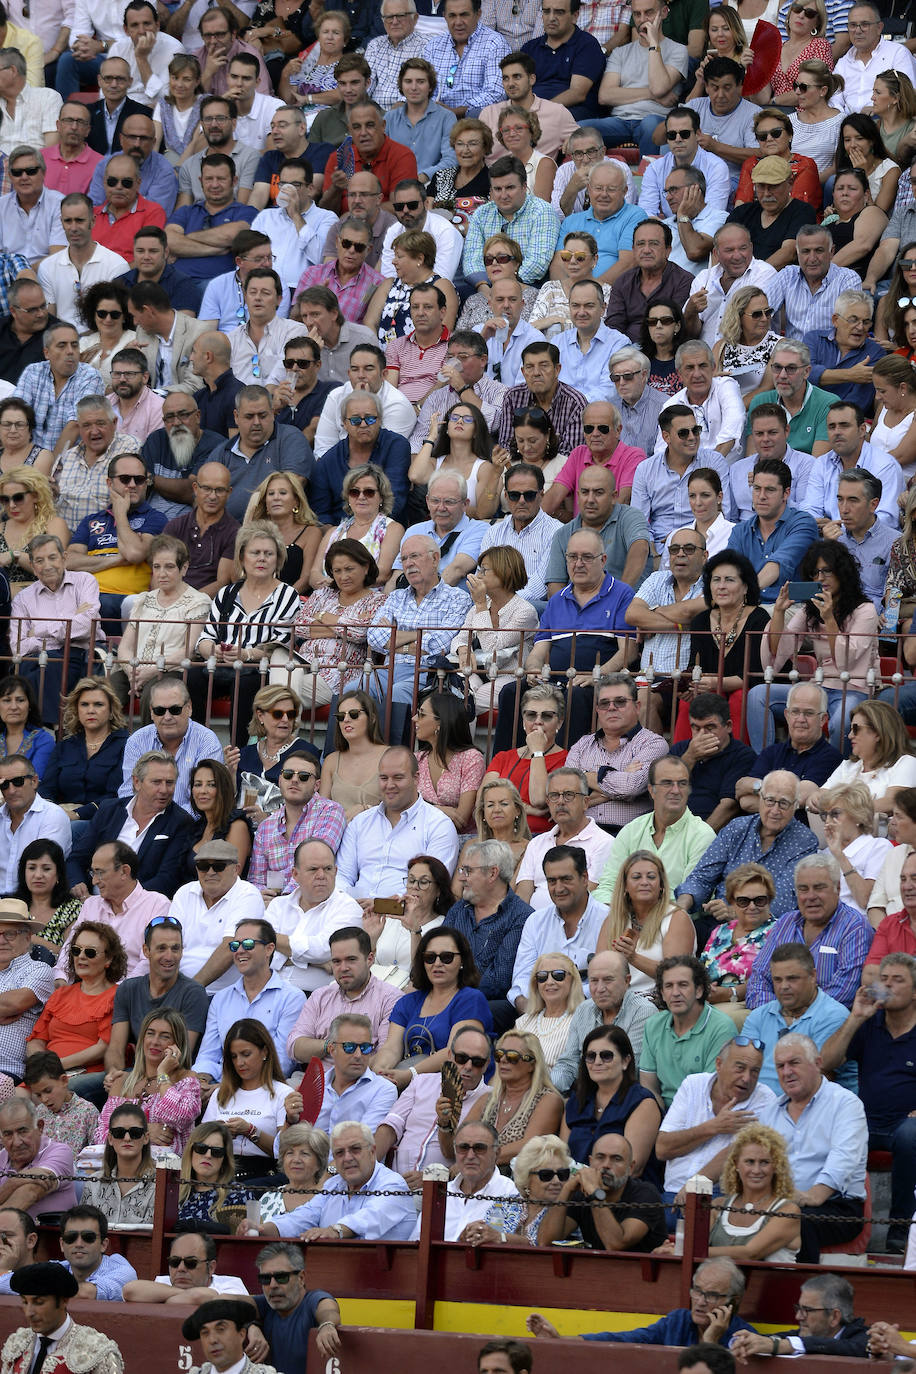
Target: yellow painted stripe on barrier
398, 1316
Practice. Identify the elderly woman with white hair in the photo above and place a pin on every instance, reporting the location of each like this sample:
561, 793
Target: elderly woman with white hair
848, 813
837, 934
540, 1169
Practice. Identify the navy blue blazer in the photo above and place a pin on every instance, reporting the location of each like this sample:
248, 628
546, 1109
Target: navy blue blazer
98, 131
69, 777
162, 853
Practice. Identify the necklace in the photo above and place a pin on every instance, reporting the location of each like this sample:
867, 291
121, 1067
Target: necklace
727, 638
95, 746
267, 757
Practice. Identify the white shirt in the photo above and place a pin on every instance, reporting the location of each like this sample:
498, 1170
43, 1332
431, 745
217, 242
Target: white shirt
242, 350
130, 832
397, 415
692, 1105
97, 19
595, 843
505, 352
374, 854
204, 927
61, 281
309, 930
860, 76
866, 853
449, 246
462, 1210
35, 115
709, 280
159, 57
44, 820
722, 416
295, 249
254, 127
220, 1283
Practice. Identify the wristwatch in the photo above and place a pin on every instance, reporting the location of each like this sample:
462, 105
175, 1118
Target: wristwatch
339, 1228
683, 219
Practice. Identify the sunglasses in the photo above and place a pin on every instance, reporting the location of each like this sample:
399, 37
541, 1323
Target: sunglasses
349, 714
283, 713
365, 1047
766, 313
357, 420
15, 499
600, 1056
33, 171
512, 1057
763, 134
529, 497
408, 205
617, 377
353, 246
160, 711
907, 264
296, 362
686, 433
559, 975
217, 1151
679, 135
83, 952
802, 85
127, 1133
367, 492
472, 1148
663, 320
109, 314
134, 479
164, 921
126, 182
287, 774
211, 865
175, 1261
18, 781
545, 1175
567, 256
442, 956
247, 944
758, 902
688, 549
748, 1042
478, 1060
71, 1237
500, 259
282, 1276
590, 429
806, 11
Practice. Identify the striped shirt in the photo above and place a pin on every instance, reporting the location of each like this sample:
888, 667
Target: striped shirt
666, 651
442, 611
533, 542
53, 413
11, 264
534, 227
564, 412
804, 310
627, 791
386, 58
473, 79
271, 623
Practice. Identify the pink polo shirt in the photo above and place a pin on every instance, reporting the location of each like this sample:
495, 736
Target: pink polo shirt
69, 177
58, 1160
622, 462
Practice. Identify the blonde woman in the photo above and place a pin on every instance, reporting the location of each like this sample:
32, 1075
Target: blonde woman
643, 924
540, 1169
523, 1102
554, 992
893, 104
208, 1175
848, 813
160, 1083
734, 944
805, 43
894, 380
27, 509
746, 339
726, 37
499, 814
901, 567
368, 500
756, 1219
491, 631
281, 498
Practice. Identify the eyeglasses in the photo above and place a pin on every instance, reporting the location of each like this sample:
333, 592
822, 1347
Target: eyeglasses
747, 1042
461, 419
31, 309
614, 703
567, 256
247, 944
617, 377
765, 313
707, 1295
512, 1057
15, 424
175, 1261
582, 557
353, 245
128, 1133
421, 883
126, 182
19, 780
201, 1148
122, 375
449, 502
441, 956
174, 415
545, 1175
287, 774
498, 259
212, 491
858, 24
84, 952
479, 1061
357, 420
790, 368
281, 1276
283, 713
539, 715
365, 1047
782, 803
26, 172
160, 711
216, 865
759, 902
689, 430
689, 549
111, 315
71, 1237
559, 975
529, 497
350, 713
15, 498
566, 797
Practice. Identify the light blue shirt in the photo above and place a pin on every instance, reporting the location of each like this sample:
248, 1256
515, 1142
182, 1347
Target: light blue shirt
224, 303
428, 139
612, 235
740, 473
828, 1143
661, 493
199, 743
714, 168
504, 353
706, 222
370, 1218
109, 1279
824, 481
276, 1007
294, 249
588, 372
544, 933
368, 1100
374, 854
819, 1021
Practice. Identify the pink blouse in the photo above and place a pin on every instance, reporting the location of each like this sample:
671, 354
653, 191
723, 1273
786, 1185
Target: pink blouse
178, 1107
856, 647
464, 774
340, 658
818, 50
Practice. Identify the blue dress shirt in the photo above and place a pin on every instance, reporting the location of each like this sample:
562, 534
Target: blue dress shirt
370, 1218
368, 1100
828, 1143
588, 372
839, 950
428, 139
794, 534
276, 1007
739, 843
677, 1328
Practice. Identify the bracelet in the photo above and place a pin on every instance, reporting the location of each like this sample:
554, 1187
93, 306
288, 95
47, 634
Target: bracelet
163, 1078
322, 1324
537, 753
446, 1130
253, 1131
413, 1072
775, 1350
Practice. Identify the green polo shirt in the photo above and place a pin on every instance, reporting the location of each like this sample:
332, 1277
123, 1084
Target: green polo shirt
810, 424
672, 1057
684, 845
682, 17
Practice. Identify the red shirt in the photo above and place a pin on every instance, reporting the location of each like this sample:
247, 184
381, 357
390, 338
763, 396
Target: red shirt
119, 235
893, 936
806, 181
391, 164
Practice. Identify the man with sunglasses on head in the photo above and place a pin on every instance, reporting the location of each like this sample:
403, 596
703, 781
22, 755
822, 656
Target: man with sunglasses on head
191, 1278
257, 992
208, 911
288, 1310
84, 1246
302, 815
352, 1091
421, 1124
471, 1216
630, 1215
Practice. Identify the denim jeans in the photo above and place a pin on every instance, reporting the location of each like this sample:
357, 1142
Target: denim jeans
71, 74
615, 131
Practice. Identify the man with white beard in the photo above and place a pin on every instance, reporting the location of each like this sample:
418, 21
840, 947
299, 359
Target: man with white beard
173, 452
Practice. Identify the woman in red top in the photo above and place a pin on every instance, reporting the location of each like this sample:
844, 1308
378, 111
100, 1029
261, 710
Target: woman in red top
543, 710
76, 1020
806, 24
773, 131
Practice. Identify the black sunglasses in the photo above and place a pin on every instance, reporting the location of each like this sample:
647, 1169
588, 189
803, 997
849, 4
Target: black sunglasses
127, 1132
176, 1260
559, 975
71, 1237
211, 865
167, 710
18, 781
126, 182
478, 1060
282, 1276
590, 429
351, 245
200, 1148
26, 172
109, 314
134, 479
84, 951
529, 497
444, 956
407, 205
545, 1175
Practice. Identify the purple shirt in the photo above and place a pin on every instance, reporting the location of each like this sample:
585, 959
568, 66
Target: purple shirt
58, 1160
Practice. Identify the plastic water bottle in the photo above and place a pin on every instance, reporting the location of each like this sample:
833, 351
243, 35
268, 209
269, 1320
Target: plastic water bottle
892, 611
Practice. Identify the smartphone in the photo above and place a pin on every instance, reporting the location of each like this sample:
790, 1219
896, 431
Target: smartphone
388, 906
803, 591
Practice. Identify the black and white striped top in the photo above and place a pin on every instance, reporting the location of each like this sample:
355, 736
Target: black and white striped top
272, 623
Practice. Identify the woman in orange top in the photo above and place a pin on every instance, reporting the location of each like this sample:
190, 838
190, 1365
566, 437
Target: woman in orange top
76, 1020
773, 130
